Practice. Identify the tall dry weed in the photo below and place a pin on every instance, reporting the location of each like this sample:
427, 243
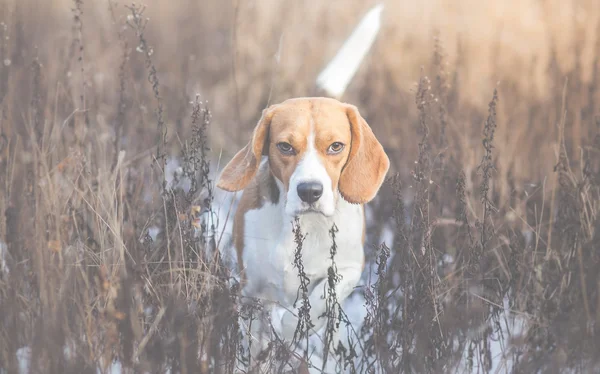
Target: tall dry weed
482, 243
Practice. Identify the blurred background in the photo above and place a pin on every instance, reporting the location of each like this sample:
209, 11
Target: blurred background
241, 55
487, 110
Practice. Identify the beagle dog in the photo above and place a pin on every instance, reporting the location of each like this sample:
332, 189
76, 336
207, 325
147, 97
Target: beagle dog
315, 159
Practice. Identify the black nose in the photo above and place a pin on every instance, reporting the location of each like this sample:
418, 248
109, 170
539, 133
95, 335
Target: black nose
310, 192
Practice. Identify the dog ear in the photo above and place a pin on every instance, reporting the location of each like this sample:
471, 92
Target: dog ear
243, 166
367, 162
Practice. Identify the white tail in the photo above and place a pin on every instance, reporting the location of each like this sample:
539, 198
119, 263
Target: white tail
337, 75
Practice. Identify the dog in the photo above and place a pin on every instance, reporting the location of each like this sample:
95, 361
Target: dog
317, 161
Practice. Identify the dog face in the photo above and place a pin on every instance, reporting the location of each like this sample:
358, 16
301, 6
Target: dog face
309, 145
318, 149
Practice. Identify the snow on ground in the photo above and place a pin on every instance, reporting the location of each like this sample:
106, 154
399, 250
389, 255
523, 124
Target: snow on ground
224, 206
4, 269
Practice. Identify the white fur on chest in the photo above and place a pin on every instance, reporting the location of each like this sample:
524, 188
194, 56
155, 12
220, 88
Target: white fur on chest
269, 248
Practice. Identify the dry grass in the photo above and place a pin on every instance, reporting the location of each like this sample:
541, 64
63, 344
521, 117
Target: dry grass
489, 112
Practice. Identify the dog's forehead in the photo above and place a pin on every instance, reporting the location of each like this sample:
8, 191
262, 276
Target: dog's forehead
306, 114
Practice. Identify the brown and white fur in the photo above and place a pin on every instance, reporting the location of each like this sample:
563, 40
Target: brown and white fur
298, 143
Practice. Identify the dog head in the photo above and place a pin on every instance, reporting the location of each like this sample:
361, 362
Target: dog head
317, 149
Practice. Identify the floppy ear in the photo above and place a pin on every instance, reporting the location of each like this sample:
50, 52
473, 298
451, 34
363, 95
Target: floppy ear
243, 166
367, 163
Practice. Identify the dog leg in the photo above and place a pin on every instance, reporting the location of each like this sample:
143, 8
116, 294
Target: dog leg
350, 276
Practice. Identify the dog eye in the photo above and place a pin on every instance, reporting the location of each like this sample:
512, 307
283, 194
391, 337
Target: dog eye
335, 147
285, 148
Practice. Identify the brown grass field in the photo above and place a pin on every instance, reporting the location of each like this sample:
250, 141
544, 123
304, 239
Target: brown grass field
483, 244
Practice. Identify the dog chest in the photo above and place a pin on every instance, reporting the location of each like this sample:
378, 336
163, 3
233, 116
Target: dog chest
305, 266
272, 262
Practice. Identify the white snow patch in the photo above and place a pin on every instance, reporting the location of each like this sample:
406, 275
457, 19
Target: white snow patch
24, 358
4, 269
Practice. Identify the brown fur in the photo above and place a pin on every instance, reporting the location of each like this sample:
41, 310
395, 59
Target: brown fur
261, 189
358, 170
367, 164
293, 123
238, 173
